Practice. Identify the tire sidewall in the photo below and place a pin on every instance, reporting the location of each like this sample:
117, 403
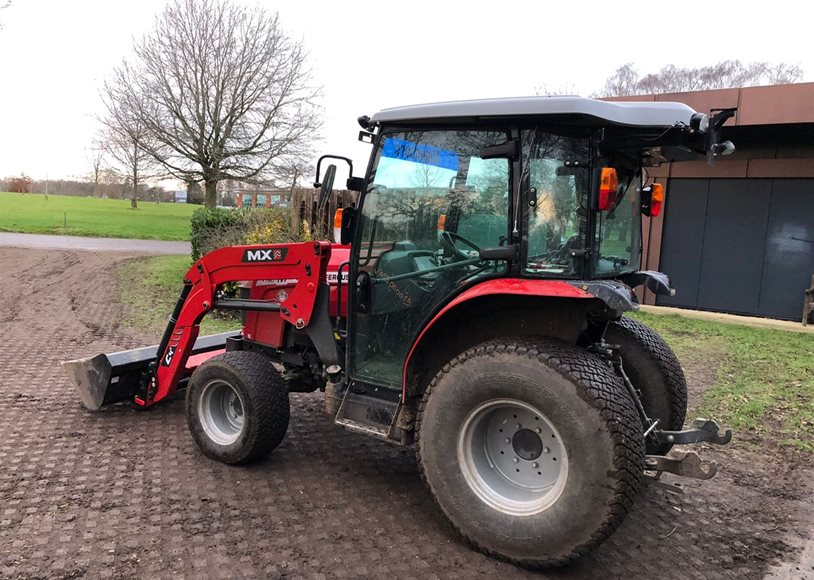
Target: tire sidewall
576, 513
216, 371
655, 372
645, 375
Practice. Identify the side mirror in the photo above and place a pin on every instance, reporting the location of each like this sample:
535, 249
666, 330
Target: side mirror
326, 187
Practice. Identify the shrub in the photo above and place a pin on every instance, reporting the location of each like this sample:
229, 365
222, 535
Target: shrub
218, 227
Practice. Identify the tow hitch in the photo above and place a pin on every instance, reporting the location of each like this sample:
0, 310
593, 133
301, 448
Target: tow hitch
687, 464
706, 431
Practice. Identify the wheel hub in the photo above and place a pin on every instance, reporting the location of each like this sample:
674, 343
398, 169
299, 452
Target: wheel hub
220, 411
512, 457
527, 444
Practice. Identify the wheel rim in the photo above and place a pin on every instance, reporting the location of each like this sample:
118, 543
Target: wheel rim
512, 457
220, 409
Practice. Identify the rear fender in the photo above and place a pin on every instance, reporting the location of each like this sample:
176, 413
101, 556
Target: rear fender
502, 307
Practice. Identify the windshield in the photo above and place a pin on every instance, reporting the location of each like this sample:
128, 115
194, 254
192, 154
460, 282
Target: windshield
557, 181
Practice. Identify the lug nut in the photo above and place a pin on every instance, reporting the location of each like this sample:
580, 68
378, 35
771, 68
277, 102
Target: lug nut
535, 465
519, 426
538, 430
507, 440
546, 450
515, 460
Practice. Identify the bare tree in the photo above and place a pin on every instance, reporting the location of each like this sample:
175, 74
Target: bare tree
128, 141
21, 184
194, 193
626, 80
96, 159
5, 4
290, 175
226, 94
552, 89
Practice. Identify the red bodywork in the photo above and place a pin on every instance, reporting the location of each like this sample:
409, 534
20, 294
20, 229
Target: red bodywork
306, 262
506, 286
267, 327
290, 276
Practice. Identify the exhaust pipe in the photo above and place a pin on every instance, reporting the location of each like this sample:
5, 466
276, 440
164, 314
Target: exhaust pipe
111, 378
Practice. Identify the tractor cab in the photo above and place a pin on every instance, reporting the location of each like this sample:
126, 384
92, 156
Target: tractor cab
545, 190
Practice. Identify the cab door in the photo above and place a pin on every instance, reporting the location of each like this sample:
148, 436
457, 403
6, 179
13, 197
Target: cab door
431, 203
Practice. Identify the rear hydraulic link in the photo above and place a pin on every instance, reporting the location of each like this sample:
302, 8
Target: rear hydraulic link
687, 464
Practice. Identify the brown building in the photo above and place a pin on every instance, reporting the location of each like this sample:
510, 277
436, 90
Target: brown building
739, 237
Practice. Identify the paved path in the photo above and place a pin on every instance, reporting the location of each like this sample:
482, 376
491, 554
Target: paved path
732, 318
16, 240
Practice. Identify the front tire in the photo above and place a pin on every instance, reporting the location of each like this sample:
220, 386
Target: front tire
237, 407
571, 442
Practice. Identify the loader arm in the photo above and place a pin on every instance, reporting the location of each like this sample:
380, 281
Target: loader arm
104, 379
307, 262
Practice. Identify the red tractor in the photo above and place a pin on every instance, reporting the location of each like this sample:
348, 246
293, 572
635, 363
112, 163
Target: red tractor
472, 307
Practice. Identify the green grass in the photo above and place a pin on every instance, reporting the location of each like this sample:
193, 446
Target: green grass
764, 379
87, 216
149, 288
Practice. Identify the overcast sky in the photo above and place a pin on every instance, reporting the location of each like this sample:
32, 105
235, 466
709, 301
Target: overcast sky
55, 54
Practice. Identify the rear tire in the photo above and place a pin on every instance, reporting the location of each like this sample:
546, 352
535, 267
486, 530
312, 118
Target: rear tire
654, 371
554, 494
237, 407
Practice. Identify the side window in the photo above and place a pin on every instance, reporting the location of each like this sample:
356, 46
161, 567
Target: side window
555, 223
619, 230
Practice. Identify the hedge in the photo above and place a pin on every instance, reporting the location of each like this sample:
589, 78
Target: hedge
218, 227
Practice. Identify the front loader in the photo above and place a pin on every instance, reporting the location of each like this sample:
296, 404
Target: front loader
472, 307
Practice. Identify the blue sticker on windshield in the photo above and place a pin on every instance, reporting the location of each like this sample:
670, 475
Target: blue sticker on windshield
419, 153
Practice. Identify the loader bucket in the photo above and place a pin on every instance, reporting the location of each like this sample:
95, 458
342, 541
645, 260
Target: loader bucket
111, 378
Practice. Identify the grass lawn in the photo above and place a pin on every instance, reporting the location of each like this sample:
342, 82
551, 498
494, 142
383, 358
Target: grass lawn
87, 216
764, 379
150, 287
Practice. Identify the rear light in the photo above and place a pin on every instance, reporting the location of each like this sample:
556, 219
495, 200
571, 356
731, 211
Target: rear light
656, 199
442, 222
608, 186
338, 226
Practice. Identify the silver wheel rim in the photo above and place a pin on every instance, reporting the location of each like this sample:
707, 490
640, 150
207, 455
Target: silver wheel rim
220, 409
512, 457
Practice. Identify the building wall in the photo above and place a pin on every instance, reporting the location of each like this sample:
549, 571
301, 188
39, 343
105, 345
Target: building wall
744, 246
727, 229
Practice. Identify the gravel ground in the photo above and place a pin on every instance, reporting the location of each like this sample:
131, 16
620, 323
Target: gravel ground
122, 493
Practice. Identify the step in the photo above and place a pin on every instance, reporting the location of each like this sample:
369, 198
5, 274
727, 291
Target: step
369, 409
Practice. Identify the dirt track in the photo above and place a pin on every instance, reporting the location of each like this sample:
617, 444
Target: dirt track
122, 493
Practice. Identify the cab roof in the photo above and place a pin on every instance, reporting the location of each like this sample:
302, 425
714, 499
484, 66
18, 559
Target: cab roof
629, 113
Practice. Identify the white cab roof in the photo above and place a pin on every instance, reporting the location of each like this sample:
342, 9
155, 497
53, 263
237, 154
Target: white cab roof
632, 113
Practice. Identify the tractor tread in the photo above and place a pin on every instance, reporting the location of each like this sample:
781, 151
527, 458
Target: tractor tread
269, 400
599, 386
667, 362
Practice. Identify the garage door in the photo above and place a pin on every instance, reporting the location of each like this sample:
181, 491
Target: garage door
744, 246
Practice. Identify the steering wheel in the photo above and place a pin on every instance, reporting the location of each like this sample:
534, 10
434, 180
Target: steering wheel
448, 239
